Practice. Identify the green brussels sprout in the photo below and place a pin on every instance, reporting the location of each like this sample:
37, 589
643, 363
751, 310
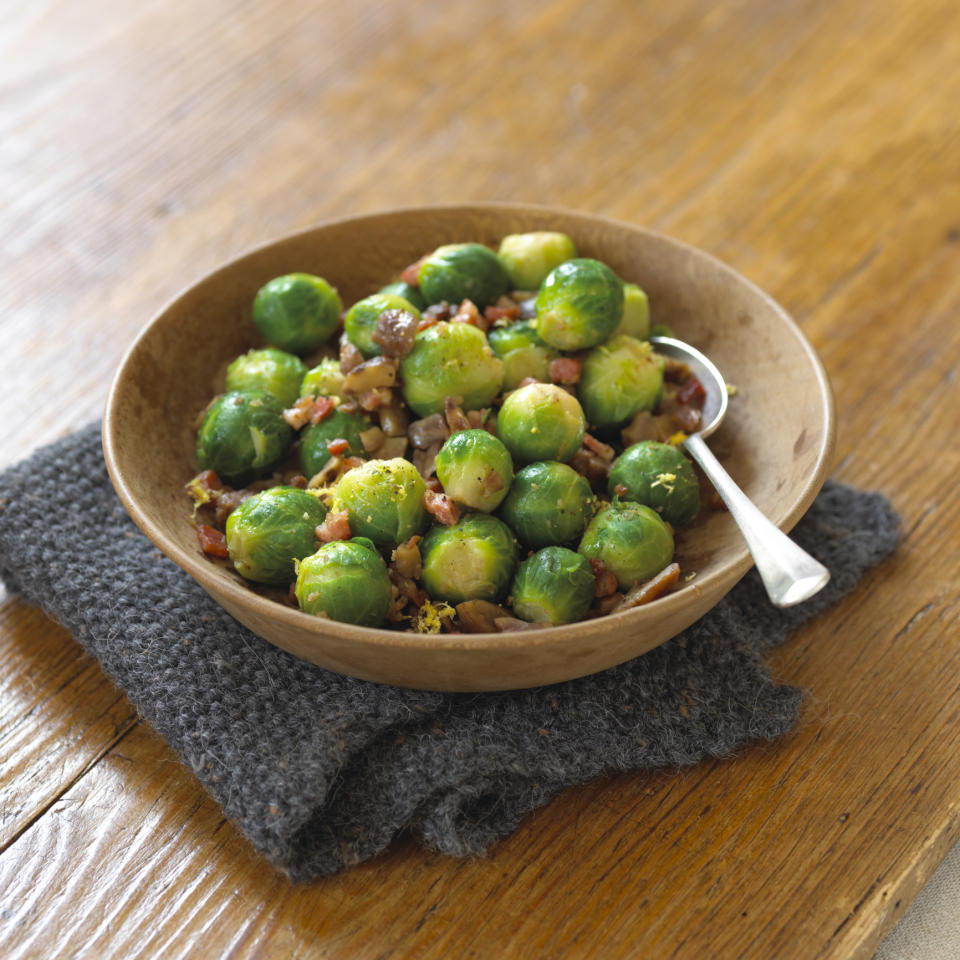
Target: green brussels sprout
471, 560
270, 530
619, 379
579, 304
360, 323
553, 586
463, 271
450, 360
242, 434
660, 476
384, 501
475, 469
631, 540
323, 380
297, 312
523, 353
661, 330
636, 313
411, 294
272, 370
338, 426
529, 257
541, 421
346, 580
548, 503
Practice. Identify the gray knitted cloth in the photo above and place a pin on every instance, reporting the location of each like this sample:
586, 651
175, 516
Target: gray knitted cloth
321, 771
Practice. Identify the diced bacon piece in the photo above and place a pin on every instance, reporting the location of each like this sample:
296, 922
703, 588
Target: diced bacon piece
375, 399
226, 502
606, 581
691, 390
620, 490
603, 450
467, 312
498, 315
688, 418
322, 408
212, 542
335, 526
298, 480
426, 322
565, 370
411, 274
437, 311
442, 507
526, 381
337, 447
299, 414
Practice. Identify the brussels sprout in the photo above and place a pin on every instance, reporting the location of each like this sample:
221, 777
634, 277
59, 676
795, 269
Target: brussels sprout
346, 580
338, 426
297, 312
619, 379
450, 360
272, 370
553, 586
631, 540
270, 530
411, 294
360, 323
660, 476
471, 560
661, 330
529, 257
636, 313
475, 469
323, 380
384, 501
242, 434
579, 304
541, 421
462, 271
548, 503
523, 353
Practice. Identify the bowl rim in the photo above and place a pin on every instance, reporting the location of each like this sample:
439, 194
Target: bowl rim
633, 619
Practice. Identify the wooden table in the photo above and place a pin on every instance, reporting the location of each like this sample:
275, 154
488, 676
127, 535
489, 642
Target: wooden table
812, 144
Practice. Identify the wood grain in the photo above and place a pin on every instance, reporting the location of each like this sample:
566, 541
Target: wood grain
811, 144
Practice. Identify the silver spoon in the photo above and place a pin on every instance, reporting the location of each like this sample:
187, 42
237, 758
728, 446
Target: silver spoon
789, 573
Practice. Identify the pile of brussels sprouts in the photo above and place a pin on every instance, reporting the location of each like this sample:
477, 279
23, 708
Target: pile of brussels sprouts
489, 443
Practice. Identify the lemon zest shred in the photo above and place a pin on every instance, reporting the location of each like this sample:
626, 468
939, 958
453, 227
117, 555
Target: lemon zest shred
430, 616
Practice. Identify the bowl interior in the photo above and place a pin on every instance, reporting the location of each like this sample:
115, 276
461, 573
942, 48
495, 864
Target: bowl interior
776, 441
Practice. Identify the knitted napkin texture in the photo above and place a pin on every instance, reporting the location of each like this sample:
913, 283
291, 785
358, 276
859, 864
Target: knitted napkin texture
322, 771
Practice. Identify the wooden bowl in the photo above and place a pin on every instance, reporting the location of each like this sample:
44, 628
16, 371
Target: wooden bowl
776, 441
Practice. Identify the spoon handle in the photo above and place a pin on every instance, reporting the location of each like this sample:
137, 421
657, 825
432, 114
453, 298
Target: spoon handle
789, 573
